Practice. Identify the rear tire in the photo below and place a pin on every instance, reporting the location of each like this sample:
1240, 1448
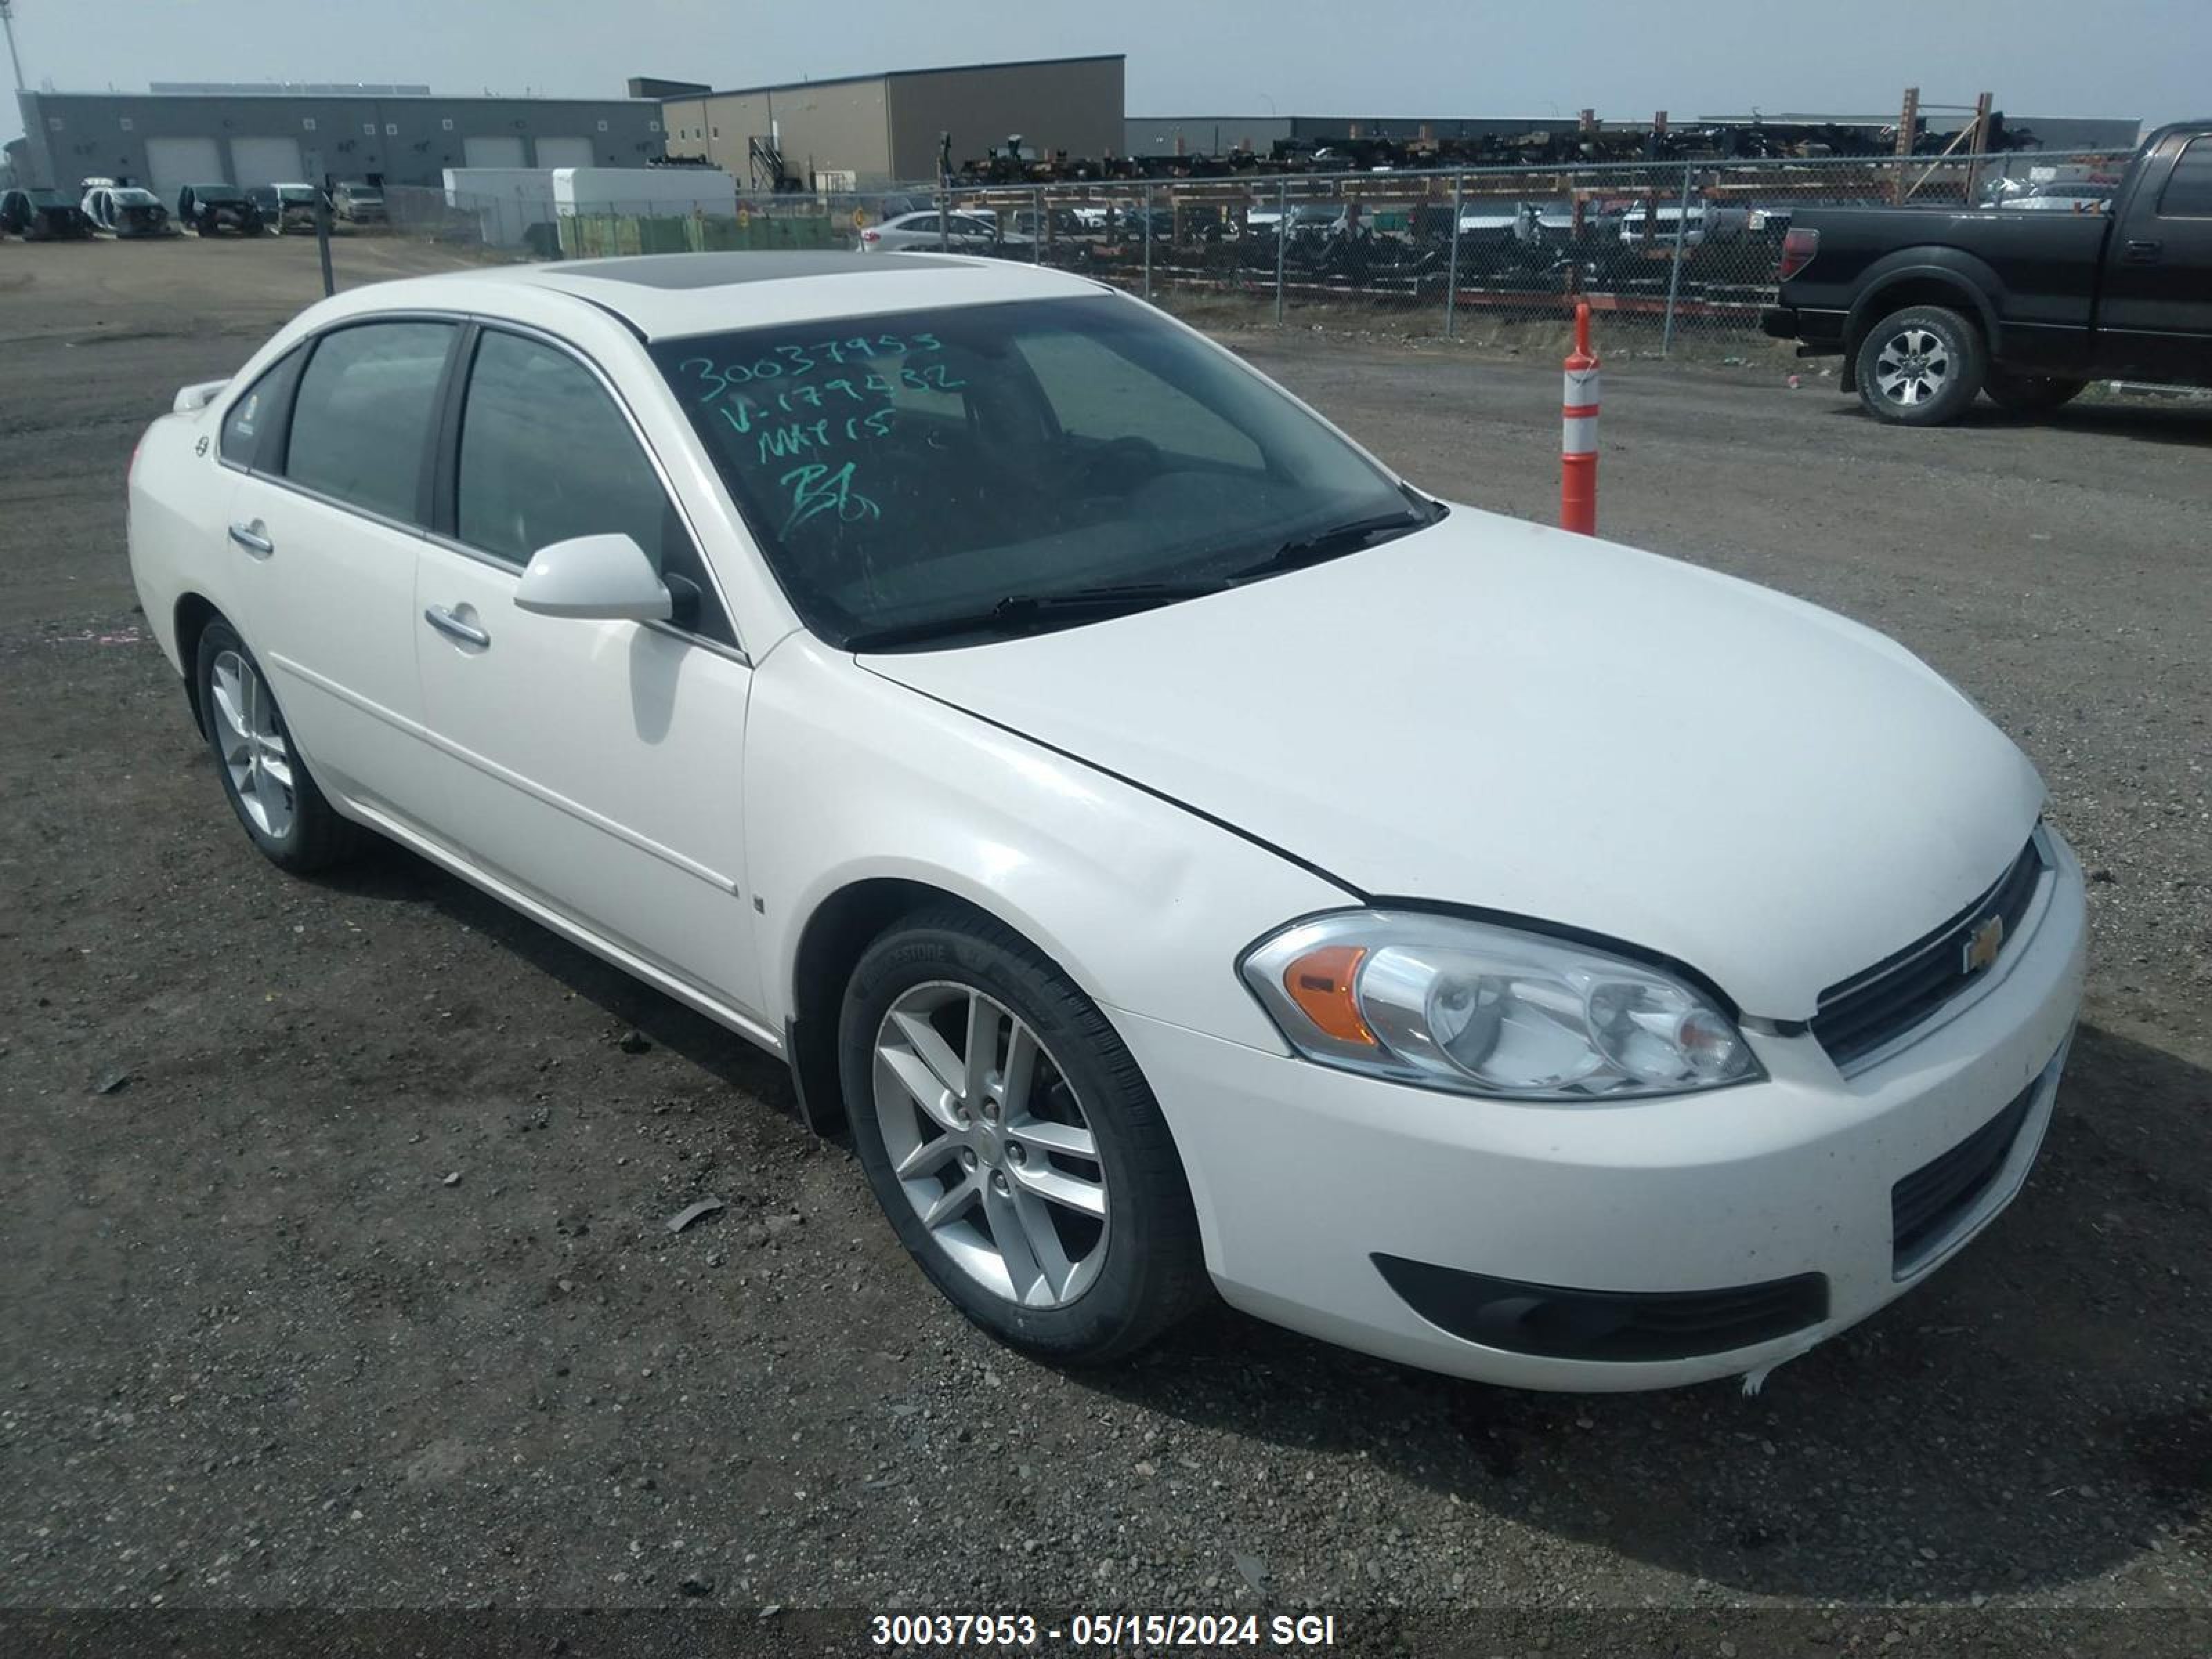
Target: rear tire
1919, 367
2029, 394
264, 777
1051, 1211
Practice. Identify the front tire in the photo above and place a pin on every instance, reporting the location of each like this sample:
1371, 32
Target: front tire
2029, 394
1920, 366
1013, 1143
264, 775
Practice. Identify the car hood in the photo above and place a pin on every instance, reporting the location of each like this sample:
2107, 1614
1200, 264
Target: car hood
1500, 715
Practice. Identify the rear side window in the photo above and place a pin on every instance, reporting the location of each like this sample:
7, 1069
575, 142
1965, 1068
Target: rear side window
2188, 192
545, 455
362, 423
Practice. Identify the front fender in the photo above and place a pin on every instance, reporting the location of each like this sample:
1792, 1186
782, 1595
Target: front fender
850, 778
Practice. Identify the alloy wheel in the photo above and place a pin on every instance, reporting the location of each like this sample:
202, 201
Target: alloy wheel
990, 1145
250, 734
1913, 366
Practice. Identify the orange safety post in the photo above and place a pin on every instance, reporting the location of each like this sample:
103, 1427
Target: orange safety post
1578, 433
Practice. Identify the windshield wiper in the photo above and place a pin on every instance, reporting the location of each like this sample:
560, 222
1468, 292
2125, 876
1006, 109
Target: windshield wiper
1336, 540
1019, 613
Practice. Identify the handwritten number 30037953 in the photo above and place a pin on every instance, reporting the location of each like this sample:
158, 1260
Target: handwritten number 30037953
789, 361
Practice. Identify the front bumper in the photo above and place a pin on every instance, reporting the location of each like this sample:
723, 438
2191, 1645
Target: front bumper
1304, 1175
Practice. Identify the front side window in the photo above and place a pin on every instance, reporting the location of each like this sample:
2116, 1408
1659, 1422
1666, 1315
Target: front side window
546, 455
974, 469
362, 419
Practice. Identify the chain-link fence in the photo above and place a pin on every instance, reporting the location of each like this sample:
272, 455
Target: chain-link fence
1674, 257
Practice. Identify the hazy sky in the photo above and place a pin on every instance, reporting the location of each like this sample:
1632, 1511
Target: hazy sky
1434, 58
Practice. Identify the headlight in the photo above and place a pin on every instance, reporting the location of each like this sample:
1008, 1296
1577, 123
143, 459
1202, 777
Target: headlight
1487, 1010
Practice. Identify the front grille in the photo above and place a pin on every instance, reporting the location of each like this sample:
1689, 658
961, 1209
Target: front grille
1860, 1014
1934, 1198
1619, 1326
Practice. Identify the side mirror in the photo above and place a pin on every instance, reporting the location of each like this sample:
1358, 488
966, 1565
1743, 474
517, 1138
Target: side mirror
604, 577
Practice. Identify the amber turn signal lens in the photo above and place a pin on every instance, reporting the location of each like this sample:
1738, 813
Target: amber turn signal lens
1320, 982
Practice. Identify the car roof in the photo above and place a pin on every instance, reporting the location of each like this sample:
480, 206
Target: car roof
671, 295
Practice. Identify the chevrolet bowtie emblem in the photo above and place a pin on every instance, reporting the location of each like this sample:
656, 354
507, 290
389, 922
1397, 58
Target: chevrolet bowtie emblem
1984, 943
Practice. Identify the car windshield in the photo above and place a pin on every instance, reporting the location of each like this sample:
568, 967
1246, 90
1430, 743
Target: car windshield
361, 193
52, 199
134, 198
297, 192
218, 192
1001, 468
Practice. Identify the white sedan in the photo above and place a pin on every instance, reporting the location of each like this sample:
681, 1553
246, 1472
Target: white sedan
942, 233
126, 210
1179, 851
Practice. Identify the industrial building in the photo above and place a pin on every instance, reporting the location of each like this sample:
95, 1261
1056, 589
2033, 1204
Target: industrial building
864, 132
251, 137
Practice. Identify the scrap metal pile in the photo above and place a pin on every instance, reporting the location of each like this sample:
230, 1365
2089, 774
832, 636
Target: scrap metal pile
1750, 140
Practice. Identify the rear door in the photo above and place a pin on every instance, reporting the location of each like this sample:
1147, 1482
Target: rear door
595, 765
2156, 319
325, 528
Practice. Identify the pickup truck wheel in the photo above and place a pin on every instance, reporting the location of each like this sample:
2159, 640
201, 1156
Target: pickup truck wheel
2029, 394
1920, 366
1013, 1143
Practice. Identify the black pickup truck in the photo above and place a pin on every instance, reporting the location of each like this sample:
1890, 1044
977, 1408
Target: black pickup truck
1930, 305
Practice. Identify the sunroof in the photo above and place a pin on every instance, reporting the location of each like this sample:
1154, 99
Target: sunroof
721, 269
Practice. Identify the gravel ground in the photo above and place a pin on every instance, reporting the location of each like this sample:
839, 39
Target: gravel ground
333, 1211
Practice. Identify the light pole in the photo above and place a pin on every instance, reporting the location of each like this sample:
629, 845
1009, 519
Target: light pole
8, 22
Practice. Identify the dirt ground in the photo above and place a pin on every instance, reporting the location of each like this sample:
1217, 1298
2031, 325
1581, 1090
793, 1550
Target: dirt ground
258, 1348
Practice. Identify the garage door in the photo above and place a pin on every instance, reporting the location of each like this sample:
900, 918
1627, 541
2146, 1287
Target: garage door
265, 161
173, 163
493, 153
564, 152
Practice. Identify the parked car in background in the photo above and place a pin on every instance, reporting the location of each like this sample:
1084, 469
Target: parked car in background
209, 209
358, 204
126, 210
1930, 306
44, 216
1060, 222
1708, 221
950, 232
902, 662
286, 207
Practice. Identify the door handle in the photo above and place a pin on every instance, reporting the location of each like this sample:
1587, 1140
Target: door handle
2142, 253
251, 540
448, 624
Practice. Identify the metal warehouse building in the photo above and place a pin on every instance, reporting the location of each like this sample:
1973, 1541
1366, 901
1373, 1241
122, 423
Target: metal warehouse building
167, 140
865, 131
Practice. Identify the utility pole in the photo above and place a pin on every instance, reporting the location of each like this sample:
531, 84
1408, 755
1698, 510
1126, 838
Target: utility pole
8, 22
